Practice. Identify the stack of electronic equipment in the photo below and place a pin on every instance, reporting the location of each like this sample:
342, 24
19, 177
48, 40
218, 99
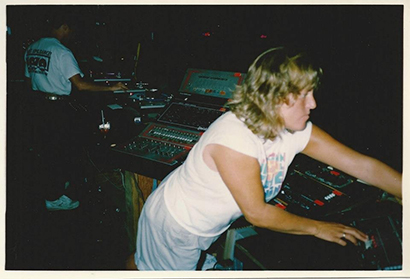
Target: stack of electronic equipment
201, 100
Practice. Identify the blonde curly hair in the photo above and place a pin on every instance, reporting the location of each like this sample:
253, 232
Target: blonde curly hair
270, 79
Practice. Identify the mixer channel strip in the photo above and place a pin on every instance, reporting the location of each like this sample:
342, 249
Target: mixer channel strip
161, 143
190, 116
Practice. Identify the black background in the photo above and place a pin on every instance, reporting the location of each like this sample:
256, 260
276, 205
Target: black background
359, 47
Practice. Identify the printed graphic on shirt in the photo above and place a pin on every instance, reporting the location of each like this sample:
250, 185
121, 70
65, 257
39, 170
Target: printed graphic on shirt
273, 174
38, 61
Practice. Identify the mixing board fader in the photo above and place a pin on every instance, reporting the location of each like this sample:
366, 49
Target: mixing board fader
383, 250
161, 143
190, 116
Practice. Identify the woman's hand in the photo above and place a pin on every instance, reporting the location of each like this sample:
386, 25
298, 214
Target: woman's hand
339, 233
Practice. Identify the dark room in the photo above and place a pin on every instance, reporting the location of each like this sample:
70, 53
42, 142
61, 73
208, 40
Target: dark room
115, 133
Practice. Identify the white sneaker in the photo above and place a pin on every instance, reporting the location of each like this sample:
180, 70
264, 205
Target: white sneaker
62, 203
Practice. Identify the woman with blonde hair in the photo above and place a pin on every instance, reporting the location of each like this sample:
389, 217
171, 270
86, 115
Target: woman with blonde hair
239, 164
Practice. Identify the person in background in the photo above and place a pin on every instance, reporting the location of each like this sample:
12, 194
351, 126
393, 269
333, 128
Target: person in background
239, 164
52, 74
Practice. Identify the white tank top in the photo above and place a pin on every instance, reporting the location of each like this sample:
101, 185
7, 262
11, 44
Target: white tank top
197, 197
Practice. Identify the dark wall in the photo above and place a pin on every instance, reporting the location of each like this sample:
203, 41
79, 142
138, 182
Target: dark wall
359, 47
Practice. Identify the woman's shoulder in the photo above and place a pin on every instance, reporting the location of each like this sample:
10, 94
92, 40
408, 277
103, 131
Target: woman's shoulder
228, 123
229, 129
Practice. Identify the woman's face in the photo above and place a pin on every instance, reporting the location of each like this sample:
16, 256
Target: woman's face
296, 112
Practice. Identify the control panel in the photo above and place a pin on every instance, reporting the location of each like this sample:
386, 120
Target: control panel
216, 84
191, 116
314, 189
161, 143
383, 249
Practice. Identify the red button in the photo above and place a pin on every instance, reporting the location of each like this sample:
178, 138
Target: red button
318, 202
280, 205
335, 173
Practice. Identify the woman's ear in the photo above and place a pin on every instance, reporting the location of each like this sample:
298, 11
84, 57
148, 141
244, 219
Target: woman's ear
290, 100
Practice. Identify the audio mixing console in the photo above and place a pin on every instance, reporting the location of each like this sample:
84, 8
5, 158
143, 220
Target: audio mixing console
168, 142
191, 116
270, 250
314, 189
383, 250
318, 191
182, 122
161, 143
